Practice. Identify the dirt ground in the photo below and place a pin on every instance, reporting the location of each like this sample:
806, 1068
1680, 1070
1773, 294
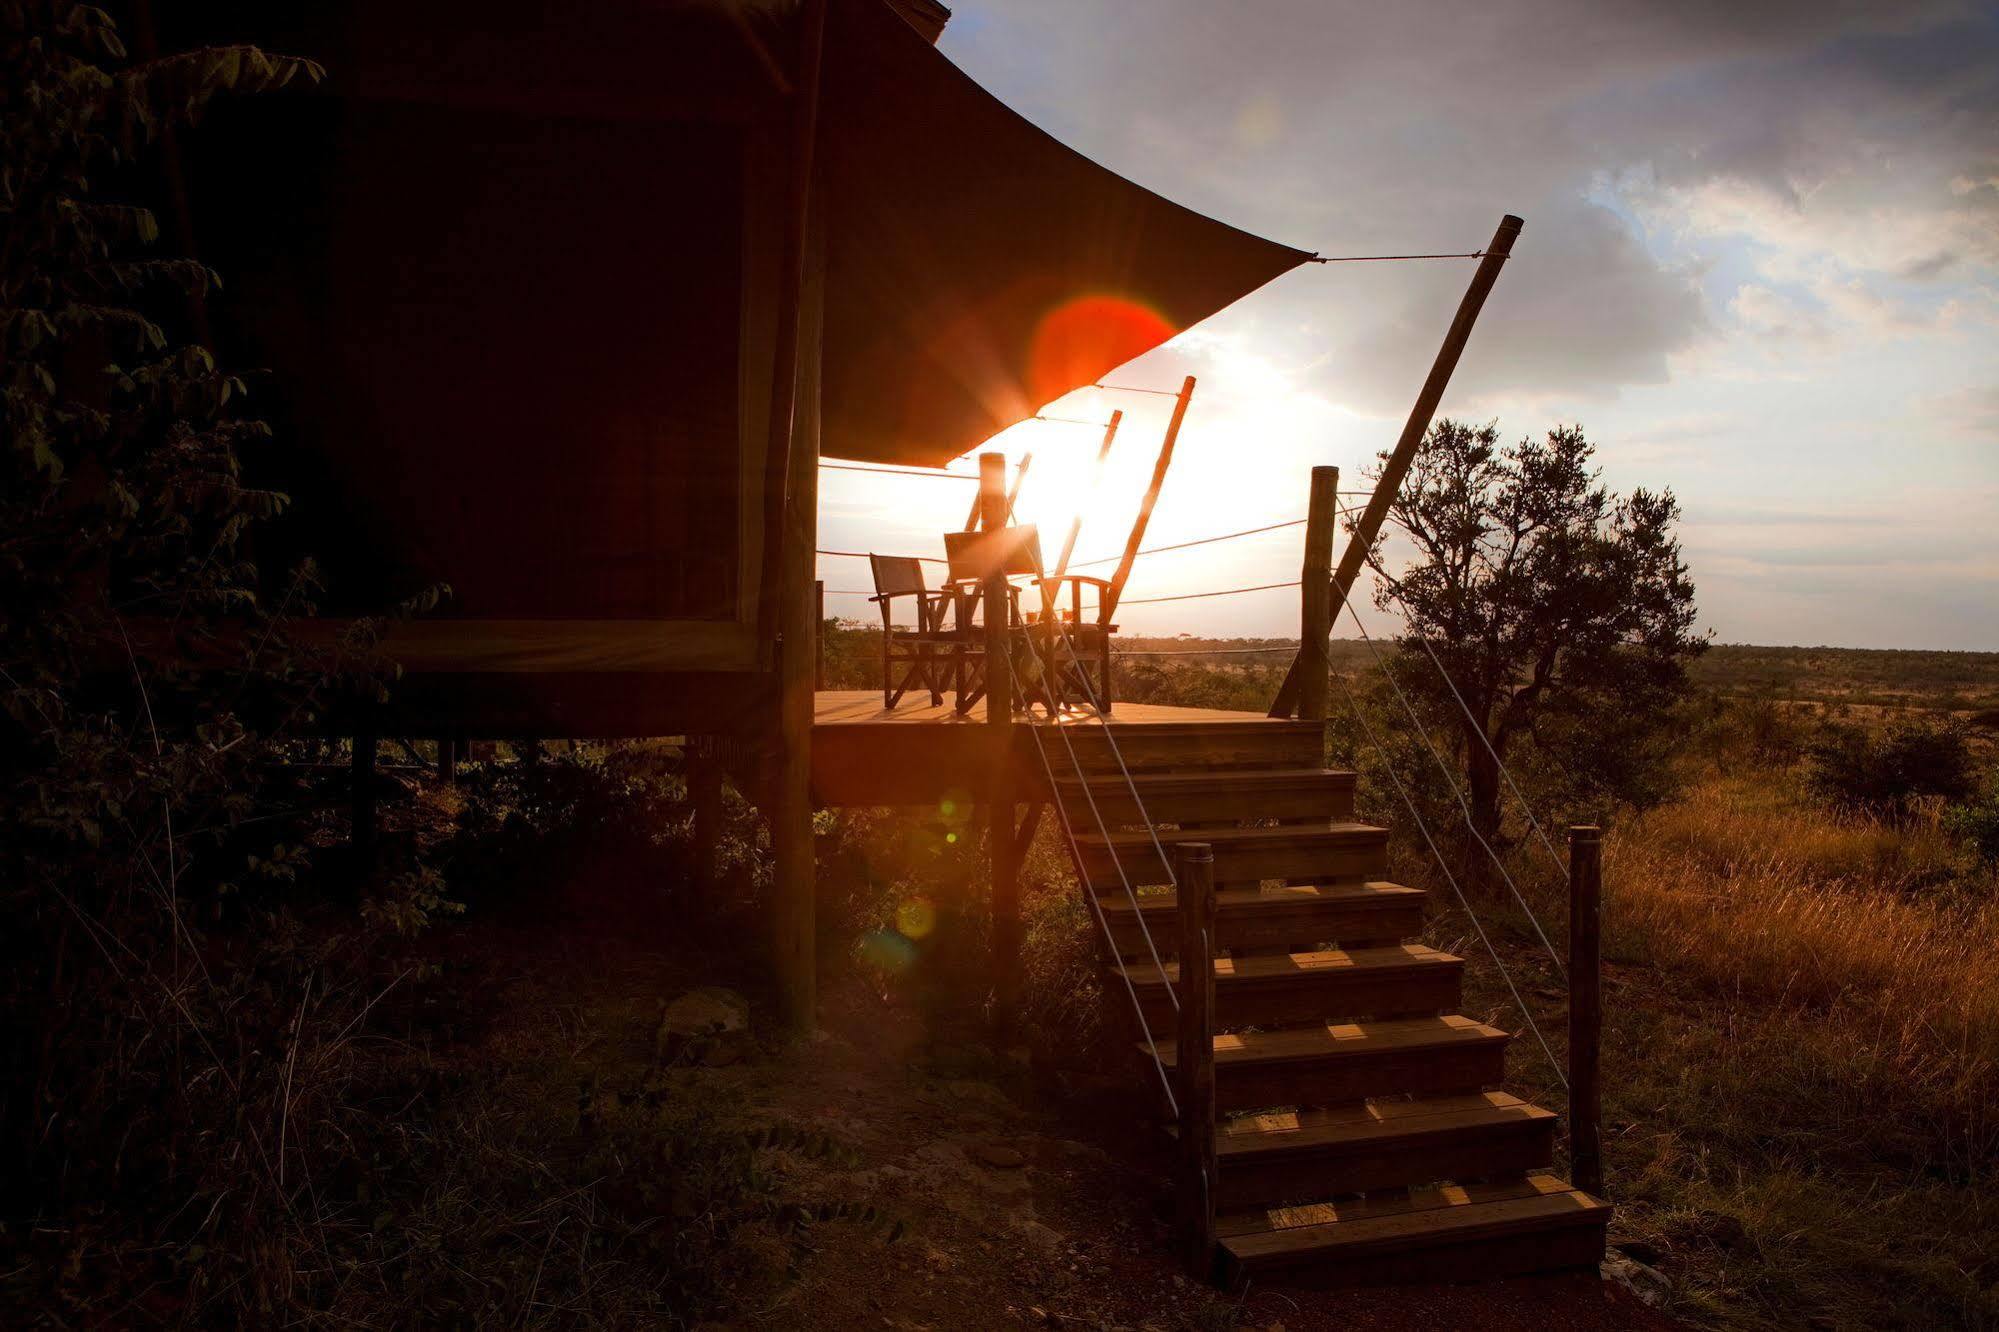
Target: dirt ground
1020, 1203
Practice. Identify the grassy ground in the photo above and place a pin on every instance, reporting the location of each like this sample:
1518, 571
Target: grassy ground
1801, 1057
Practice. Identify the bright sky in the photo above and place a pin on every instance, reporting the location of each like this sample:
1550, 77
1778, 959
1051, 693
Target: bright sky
1761, 267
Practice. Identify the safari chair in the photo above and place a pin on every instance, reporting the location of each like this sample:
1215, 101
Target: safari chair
969, 558
1076, 639
931, 653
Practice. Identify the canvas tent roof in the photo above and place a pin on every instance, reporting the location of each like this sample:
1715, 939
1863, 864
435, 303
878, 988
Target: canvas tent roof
977, 267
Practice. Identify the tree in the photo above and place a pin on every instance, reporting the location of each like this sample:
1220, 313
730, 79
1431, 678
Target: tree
1562, 613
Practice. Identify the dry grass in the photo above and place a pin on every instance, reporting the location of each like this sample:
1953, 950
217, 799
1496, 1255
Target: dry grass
1801, 1060
1865, 933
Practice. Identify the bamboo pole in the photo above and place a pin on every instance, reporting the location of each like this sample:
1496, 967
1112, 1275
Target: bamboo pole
1096, 477
1413, 430
1115, 591
1315, 594
1194, 1058
1585, 1008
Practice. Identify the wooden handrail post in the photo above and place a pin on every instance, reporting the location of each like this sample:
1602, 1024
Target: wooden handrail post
1397, 467
1585, 1007
1315, 593
1194, 1064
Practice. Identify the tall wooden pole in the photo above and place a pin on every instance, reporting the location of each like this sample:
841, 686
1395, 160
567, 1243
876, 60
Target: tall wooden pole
778, 450
1097, 475
976, 516
993, 504
1585, 1008
1194, 1058
1315, 594
1413, 430
792, 473
1132, 542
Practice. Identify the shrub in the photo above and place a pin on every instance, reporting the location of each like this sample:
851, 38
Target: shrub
1890, 775
1975, 822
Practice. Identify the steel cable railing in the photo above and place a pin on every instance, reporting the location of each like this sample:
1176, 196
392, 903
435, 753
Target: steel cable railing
1096, 911
1471, 824
1387, 766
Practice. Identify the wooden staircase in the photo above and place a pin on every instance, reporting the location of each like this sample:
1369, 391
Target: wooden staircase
1359, 1138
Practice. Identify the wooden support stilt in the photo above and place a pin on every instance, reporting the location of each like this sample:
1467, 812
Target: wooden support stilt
704, 792
993, 502
791, 480
1315, 592
1194, 1069
1413, 430
1585, 1008
361, 773
447, 759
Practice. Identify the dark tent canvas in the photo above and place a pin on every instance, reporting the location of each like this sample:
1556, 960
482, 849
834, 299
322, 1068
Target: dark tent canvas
514, 272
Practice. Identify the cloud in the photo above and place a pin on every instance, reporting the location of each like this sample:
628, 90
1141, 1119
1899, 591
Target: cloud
1757, 235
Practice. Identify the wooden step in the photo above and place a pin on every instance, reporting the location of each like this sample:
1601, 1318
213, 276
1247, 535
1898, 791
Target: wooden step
1350, 851
1332, 1062
1441, 1233
1267, 990
1295, 1155
1254, 742
1300, 918
1225, 796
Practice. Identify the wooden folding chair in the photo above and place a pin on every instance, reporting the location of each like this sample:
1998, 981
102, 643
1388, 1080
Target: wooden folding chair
970, 557
1075, 643
930, 652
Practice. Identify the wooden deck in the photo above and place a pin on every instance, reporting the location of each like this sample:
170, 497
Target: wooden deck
853, 707
915, 754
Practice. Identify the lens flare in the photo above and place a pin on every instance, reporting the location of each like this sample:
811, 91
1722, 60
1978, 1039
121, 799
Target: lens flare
887, 951
916, 918
1083, 337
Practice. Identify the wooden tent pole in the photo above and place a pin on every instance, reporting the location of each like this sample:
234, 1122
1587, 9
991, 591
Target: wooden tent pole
973, 518
1131, 544
1096, 478
791, 281
1413, 430
791, 494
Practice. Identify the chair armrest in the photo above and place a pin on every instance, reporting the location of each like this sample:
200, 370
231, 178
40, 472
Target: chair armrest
1058, 579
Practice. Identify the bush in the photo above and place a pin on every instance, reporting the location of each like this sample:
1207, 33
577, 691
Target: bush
1890, 775
1976, 821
